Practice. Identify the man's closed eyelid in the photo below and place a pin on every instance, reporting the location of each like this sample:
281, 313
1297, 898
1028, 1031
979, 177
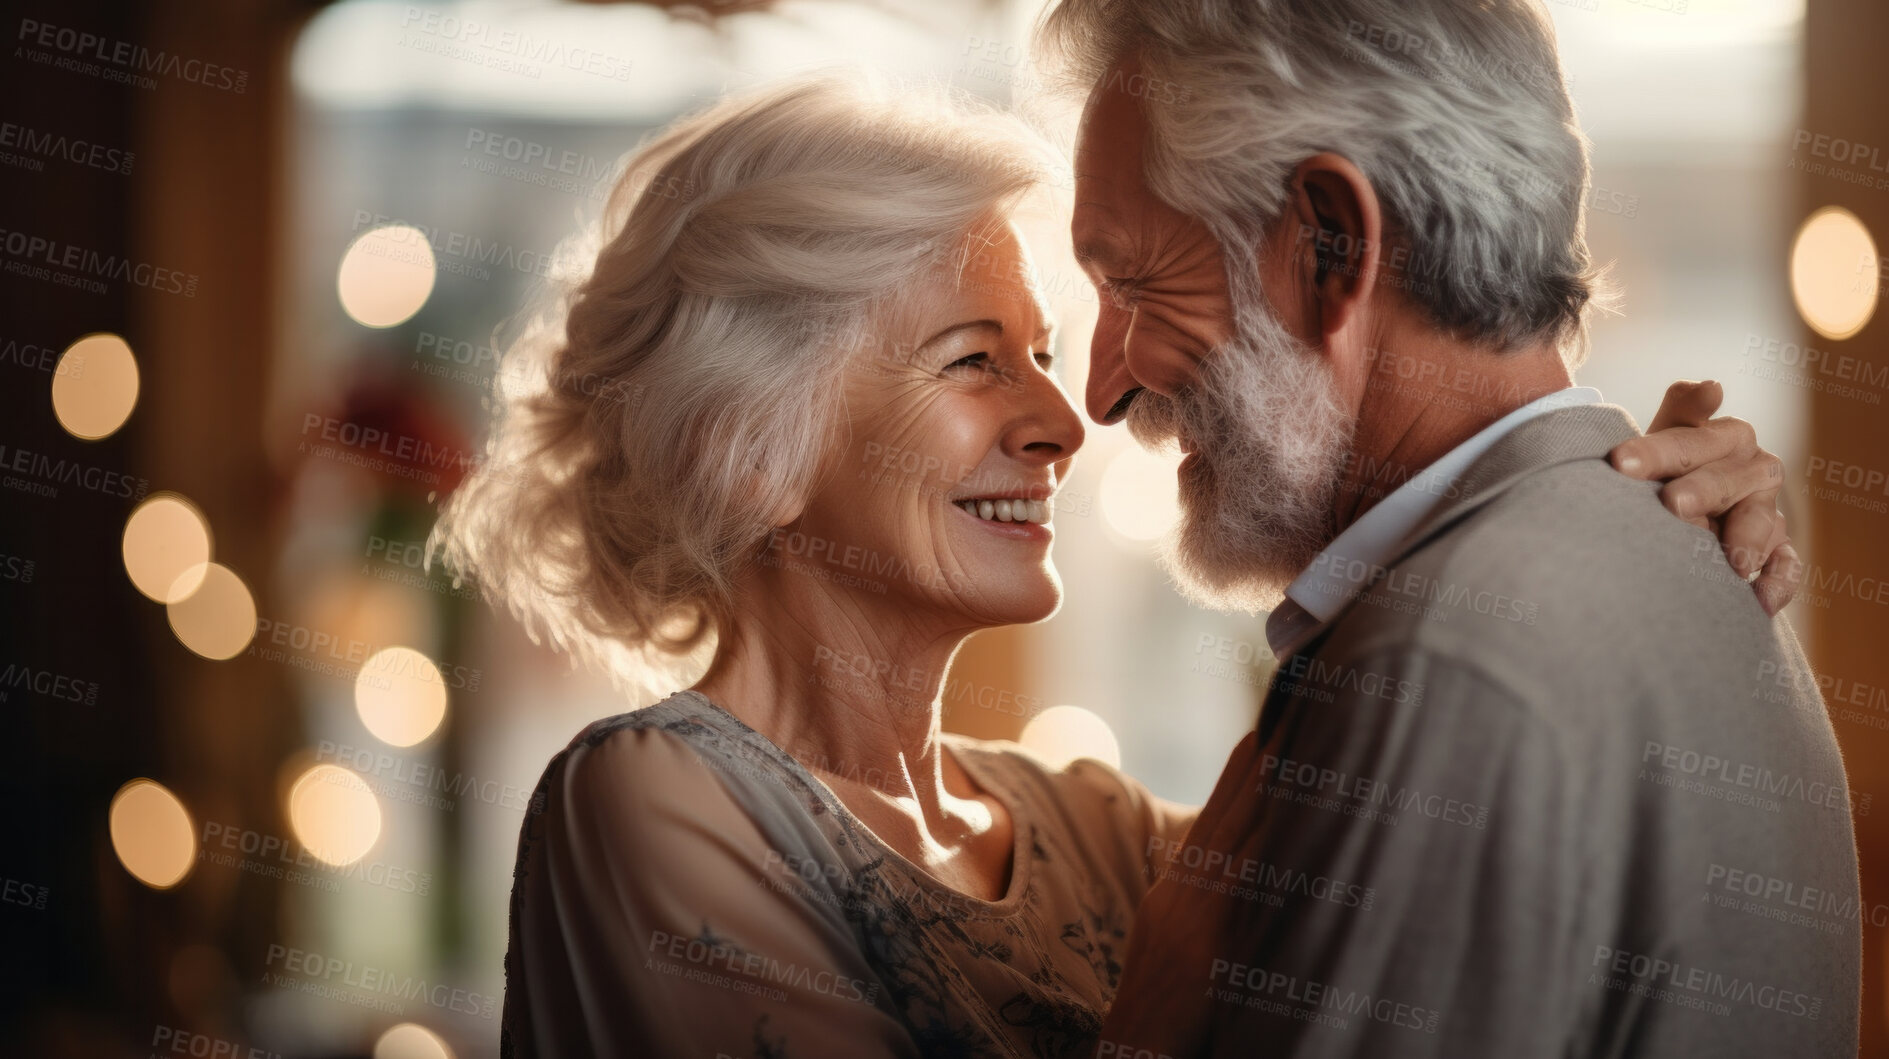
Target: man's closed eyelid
1122, 292
977, 359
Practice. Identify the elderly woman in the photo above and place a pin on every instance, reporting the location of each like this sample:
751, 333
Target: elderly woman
801, 420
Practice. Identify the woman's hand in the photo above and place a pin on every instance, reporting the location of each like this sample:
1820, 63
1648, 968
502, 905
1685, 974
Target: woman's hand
1719, 479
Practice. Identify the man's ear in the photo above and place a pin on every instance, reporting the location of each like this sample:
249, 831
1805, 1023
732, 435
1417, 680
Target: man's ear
1338, 229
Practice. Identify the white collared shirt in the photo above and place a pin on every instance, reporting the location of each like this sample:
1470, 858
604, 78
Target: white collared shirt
1344, 568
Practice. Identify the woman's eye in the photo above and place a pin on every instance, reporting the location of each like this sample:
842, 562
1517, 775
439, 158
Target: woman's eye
975, 360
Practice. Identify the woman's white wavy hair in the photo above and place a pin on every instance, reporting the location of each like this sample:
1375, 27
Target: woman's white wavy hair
1455, 110
679, 386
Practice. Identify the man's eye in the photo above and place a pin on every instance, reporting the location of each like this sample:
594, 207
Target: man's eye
975, 360
1119, 290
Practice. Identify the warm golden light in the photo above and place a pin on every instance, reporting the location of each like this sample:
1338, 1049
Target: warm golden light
152, 834
400, 696
1140, 495
1062, 734
411, 1041
166, 547
219, 618
387, 275
1834, 273
95, 386
334, 814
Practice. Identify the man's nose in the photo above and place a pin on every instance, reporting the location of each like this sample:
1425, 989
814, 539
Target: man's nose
1109, 379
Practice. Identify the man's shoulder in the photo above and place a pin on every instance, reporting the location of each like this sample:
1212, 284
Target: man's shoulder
1579, 534
1575, 586
1575, 546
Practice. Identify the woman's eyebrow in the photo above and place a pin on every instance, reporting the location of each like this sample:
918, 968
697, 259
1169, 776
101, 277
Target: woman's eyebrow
965, 326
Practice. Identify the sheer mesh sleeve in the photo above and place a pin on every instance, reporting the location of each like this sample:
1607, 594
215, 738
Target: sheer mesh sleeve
651, 917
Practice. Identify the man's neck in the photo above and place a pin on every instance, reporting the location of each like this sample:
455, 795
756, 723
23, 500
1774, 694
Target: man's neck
1423, 395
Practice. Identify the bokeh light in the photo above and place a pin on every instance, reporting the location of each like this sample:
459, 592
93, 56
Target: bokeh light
411, 1041
334, 814
166, 548
152, 834
1140, 494
387, 275
400, 696
1834, 272
95, 386
1062, 734
218, 619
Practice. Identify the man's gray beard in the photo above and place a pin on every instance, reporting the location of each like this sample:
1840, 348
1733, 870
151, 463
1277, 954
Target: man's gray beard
1270, 437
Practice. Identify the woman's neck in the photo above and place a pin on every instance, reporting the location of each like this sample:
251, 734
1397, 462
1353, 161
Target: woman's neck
850, 689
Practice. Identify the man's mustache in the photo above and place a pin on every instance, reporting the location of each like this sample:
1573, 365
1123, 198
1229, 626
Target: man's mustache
1159, 421
1154, 420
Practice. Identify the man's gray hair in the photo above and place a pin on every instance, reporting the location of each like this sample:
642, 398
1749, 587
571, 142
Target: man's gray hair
1456, 112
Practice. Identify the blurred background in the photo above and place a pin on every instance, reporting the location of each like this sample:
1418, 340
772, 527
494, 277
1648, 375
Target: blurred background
257, 262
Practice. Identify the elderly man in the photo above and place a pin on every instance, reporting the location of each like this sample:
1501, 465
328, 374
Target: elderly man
1537, 774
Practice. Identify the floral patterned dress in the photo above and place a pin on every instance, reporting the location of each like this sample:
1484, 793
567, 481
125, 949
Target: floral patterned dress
686, 888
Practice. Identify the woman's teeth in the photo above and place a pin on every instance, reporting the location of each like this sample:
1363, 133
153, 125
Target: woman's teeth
1036, 511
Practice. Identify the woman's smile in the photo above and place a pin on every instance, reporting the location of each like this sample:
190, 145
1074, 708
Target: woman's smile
1014, 517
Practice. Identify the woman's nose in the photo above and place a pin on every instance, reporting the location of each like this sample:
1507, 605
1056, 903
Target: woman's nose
1048, 428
